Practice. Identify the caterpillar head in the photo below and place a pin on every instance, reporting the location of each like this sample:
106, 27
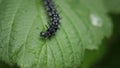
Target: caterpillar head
43, 34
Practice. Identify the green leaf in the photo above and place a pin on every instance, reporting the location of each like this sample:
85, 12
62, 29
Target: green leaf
83, 25
113, 6
91, 57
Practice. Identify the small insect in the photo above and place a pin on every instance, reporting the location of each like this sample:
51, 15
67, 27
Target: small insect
54, 19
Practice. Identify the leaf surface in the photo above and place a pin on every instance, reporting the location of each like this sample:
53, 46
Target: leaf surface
83, 25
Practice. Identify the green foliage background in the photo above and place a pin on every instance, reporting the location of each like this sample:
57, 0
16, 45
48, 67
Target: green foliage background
98, 54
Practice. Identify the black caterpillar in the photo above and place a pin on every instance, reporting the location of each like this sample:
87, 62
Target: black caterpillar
54, 19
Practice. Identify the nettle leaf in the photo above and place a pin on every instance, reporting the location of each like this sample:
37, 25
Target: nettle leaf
84, 24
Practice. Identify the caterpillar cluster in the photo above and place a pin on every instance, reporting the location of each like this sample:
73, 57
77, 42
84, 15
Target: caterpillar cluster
53, 17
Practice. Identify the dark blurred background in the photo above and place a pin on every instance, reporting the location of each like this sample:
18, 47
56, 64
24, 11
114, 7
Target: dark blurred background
108, 54
111, 59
